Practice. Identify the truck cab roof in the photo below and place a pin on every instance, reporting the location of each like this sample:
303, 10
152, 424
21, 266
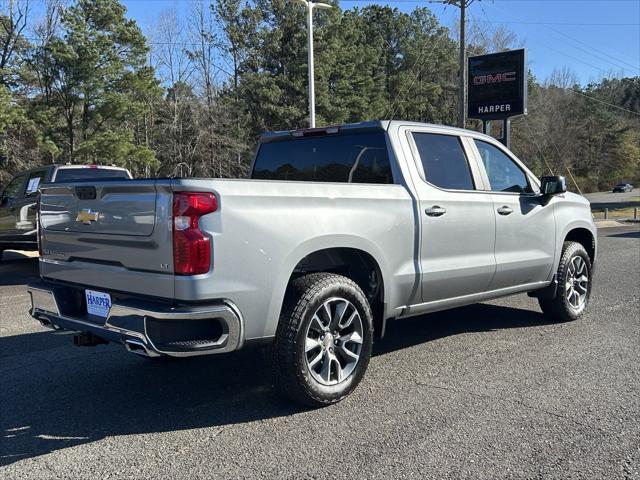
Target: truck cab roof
372, 125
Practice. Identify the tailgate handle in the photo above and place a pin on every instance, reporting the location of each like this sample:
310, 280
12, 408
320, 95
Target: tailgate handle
86, 193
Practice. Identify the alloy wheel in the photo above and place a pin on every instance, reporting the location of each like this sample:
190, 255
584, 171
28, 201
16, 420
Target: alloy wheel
333, 341
577, 282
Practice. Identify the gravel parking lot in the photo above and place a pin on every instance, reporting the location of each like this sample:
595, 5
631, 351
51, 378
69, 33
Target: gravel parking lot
487, 391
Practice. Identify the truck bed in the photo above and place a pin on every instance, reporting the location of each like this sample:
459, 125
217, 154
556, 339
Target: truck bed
260, 231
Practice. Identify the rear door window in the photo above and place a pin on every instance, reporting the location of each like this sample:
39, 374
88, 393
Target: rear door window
444, 161
347, 158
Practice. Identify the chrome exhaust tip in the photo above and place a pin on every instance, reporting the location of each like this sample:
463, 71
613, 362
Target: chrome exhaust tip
139, 348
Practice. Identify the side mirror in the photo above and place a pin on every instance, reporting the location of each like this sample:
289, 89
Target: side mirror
553, 186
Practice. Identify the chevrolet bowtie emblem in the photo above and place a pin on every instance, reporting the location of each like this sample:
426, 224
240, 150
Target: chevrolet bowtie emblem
86, 216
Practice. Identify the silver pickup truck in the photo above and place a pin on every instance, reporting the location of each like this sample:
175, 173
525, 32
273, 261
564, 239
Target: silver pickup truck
338, 230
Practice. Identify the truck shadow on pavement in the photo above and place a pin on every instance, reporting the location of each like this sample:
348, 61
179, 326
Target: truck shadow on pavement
16, 269
633, 234
55, 396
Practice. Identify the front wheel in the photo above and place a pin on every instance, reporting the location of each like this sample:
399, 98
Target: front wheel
574, 285
324, 339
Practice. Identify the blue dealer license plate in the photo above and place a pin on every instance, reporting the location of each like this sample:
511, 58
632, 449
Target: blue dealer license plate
98, 303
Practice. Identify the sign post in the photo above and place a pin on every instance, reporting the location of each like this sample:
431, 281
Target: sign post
497, 89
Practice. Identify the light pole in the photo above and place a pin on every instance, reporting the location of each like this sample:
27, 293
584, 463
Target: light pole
312, 101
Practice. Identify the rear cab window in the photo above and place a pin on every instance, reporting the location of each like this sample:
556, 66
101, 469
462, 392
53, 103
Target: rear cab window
346, 158
83, 174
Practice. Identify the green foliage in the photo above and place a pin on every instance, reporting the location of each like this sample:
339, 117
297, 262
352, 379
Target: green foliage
93, 88
21, 142
115, 148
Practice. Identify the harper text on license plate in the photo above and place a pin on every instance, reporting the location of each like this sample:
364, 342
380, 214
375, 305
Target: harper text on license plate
98, 303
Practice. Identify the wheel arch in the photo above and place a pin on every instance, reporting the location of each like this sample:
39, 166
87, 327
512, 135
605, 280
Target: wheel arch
585, 237
353, 257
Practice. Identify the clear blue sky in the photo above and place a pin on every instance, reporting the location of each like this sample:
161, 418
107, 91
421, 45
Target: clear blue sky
591, 37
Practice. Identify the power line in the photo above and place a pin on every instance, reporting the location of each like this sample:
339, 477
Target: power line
603, 102
591, 49
556, 23
599, 56
604, 56
393, 107
583, 94
418, 63
448, 2
569, 1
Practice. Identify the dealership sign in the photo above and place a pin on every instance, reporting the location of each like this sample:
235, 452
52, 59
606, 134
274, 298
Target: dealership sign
497, 85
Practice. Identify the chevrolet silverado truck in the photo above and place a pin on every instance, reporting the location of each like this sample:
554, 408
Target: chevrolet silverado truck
19, 198
337, 231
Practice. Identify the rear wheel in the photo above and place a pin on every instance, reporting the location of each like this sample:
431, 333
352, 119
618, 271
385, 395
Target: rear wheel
574, 285
324, 339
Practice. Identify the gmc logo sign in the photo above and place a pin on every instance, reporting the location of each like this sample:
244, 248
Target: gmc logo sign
495, 78
497, 85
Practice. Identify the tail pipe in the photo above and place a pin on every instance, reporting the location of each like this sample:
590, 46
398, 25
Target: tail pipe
139, 348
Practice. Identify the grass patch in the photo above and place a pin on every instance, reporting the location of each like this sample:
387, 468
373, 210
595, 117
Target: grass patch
616, 213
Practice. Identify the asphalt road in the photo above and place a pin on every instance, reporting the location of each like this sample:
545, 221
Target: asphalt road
609, 199
488, 391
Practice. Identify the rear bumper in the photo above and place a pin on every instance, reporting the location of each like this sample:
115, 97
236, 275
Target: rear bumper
144, 327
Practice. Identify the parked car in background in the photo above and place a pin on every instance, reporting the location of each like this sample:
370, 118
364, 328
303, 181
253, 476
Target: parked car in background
338, 230
623, 188
18, 199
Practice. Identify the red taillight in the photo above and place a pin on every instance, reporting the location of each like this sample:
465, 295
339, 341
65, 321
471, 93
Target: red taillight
191, 248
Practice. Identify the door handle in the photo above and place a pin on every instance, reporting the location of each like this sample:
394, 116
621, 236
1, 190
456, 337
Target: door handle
504, 210
435, 211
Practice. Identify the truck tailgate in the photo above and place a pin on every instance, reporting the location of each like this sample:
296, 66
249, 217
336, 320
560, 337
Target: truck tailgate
113, 234
112, 209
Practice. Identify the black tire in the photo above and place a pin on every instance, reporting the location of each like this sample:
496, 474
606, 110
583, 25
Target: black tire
293, 376
559, 307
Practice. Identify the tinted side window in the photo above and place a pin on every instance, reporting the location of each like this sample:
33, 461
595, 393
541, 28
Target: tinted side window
504, 175
14, 189
352, 158
445, 164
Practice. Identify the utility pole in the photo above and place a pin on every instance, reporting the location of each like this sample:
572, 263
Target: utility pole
312, 100
462, 80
